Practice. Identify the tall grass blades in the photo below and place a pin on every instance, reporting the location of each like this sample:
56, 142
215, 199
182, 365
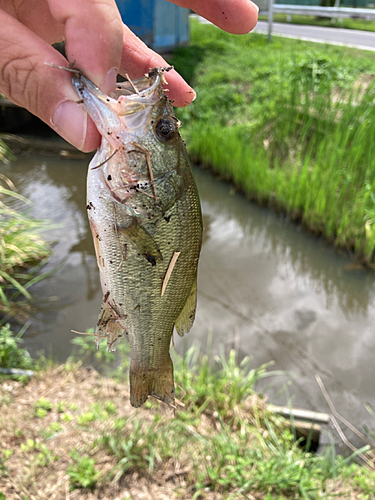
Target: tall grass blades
5, 153
22, 251
219, 387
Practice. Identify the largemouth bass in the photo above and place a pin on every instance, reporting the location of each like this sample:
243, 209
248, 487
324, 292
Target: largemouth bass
146, 222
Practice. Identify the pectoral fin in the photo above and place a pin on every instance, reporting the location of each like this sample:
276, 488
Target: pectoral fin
185, 320
143, 241
110, 324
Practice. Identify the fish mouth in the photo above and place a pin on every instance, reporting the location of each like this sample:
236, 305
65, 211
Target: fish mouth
123, 120
127, 111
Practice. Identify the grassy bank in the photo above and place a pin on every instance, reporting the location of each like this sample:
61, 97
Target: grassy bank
70, 432
291, 123
350, 24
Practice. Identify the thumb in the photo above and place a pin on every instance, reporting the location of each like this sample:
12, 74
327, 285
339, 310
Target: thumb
45, 91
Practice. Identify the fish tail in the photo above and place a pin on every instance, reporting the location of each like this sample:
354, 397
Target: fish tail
156, 382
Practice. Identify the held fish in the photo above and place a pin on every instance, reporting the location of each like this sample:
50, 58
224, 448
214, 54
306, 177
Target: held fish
146, 222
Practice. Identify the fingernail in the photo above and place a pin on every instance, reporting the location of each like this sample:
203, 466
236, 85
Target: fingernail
194, 94
70, 121
109, 81
256, 6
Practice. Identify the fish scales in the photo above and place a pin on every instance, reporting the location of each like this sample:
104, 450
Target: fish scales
144, 209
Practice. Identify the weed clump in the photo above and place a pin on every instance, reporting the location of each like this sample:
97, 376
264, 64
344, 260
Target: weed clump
11, 354
82, 472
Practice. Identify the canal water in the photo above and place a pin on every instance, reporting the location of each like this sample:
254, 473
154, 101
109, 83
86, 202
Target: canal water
266, 288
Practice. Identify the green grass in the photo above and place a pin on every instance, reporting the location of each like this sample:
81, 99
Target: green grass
82, 472
115, 364
290, 123
42, 407
351, 24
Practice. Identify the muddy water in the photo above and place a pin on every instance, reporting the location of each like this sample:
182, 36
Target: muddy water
265, 287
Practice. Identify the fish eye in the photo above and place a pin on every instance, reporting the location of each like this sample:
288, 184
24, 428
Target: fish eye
165, 129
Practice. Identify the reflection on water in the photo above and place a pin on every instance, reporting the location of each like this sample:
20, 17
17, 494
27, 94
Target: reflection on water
264, 286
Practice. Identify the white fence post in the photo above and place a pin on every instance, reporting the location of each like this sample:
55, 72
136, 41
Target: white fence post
337, 5
270, 19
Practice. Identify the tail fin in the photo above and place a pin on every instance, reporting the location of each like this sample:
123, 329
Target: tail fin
156, 382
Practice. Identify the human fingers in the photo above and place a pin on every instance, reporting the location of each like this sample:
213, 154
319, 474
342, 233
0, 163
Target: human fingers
45, 91
234, 16
35, 15
137, 59
93, 37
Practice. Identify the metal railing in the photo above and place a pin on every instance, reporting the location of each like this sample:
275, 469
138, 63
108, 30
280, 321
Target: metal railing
312, 10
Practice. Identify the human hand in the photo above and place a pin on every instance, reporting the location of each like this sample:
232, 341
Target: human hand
98, 43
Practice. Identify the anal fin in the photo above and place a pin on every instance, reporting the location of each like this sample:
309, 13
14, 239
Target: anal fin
186, 318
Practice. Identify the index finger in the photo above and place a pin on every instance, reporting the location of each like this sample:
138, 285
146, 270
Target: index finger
93, 37
235, 16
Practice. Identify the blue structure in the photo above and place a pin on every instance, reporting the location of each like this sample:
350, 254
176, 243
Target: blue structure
160, 24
